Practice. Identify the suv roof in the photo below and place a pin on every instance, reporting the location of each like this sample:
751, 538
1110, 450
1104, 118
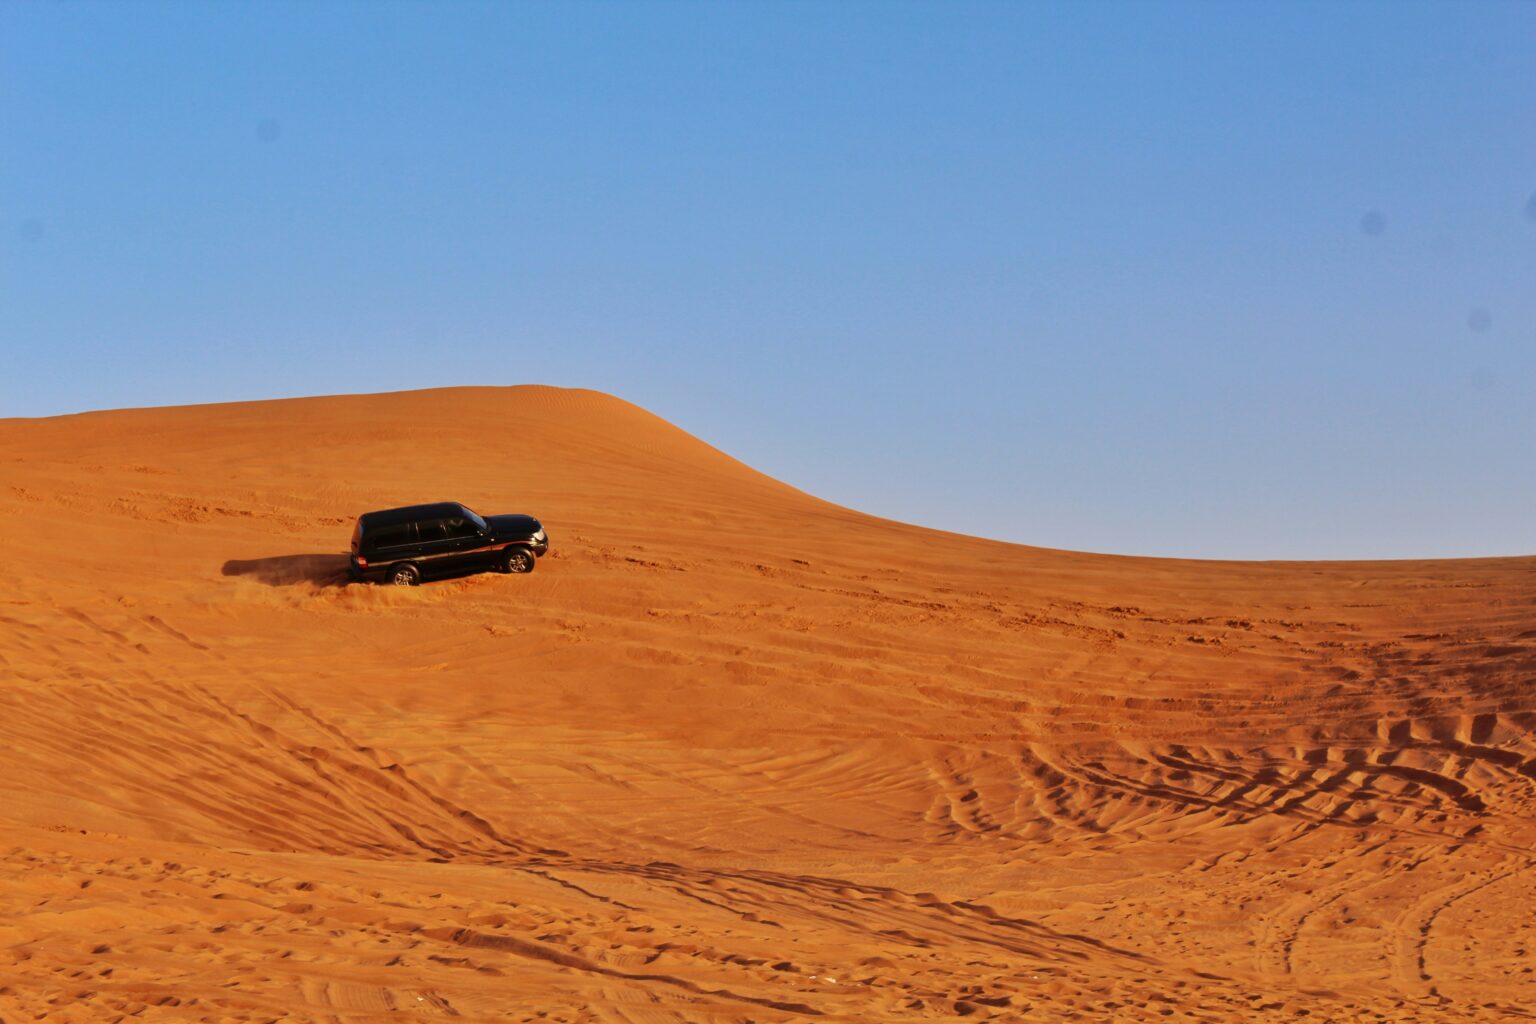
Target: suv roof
409, 512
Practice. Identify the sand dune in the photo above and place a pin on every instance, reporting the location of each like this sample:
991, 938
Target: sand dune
731, 754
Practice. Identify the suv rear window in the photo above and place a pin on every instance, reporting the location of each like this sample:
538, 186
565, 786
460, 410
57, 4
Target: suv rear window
389, 535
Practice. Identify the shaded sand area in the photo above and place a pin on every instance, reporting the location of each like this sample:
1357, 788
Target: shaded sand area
730, 754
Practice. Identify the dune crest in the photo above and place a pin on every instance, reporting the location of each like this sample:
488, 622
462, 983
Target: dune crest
732, 753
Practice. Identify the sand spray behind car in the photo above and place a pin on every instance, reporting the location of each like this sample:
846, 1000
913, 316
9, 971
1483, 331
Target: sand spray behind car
246, 591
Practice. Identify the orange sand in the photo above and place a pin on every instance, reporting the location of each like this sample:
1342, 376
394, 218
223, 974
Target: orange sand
730, 754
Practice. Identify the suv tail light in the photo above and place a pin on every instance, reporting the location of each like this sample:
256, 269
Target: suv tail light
362, 563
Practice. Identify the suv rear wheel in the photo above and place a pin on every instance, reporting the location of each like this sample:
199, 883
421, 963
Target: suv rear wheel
404, 575
518, 560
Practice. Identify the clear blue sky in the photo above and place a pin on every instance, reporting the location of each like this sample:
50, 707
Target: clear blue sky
1223, 280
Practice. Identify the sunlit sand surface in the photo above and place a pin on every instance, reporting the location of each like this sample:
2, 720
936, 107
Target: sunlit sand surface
730, 754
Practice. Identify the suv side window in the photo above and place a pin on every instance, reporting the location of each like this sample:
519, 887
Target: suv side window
431, 530
390, 535
458, 527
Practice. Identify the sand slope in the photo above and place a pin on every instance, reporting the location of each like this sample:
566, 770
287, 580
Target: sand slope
730, 754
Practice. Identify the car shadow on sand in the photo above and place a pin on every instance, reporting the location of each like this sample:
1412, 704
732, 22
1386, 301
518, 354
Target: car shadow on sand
286, 570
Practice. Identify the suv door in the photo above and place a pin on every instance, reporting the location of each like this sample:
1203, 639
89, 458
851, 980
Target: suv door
439, 552
471, 547
392, 542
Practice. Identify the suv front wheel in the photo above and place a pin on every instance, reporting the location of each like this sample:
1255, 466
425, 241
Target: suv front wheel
518, 560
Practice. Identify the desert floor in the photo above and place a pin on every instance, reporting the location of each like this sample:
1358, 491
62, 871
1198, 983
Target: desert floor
730, 754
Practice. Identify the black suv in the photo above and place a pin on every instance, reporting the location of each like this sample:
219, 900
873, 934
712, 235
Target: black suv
404, 545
